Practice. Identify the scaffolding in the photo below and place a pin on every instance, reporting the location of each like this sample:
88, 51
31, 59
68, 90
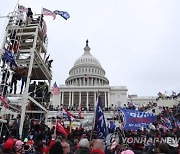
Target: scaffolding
27, 44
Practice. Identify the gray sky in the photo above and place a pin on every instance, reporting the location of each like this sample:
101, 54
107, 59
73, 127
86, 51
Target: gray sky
137, 42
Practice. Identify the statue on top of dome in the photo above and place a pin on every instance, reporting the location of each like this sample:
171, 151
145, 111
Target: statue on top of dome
87, 42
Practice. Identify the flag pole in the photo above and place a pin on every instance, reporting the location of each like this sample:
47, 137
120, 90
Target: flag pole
16, 5
55, 125
92, 129
70, 124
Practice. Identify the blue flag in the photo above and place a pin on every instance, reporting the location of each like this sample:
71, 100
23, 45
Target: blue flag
8, 56
63, 14
136, 119
99, 121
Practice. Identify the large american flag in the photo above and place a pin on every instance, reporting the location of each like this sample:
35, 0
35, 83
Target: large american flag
47, 12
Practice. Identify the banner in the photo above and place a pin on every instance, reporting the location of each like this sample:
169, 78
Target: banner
136, 119
100, 124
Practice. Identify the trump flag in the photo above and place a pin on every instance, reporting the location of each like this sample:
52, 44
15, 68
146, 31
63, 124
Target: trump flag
63, 14
135, 119
99, 121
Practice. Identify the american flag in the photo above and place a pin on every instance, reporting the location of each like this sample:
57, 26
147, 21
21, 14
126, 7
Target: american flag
55, 89
68, 115
22, 8
47, 12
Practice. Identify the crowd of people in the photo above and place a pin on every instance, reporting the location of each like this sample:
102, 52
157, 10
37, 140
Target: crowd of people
39, 138
144, 107
161, 95
76, 109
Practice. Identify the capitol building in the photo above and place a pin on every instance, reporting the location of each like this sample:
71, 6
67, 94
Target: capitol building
86, 79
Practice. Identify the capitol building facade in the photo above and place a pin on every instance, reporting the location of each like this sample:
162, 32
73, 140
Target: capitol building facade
87, 79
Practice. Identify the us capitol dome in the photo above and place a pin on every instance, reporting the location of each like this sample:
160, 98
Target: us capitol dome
87, 71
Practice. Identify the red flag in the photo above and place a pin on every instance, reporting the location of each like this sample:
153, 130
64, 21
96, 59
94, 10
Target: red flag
60, 128
4, 100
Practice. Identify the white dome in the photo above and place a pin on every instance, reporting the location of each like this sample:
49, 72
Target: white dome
87, 59
87, 67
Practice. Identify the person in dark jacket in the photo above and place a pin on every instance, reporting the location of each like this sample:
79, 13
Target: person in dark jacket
29, 16
56, 148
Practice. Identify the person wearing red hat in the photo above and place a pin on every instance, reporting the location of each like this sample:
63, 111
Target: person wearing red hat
8, 147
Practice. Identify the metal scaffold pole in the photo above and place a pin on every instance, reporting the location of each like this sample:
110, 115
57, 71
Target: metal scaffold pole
25, 94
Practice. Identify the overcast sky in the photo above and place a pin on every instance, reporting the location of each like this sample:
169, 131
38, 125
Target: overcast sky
137, 42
